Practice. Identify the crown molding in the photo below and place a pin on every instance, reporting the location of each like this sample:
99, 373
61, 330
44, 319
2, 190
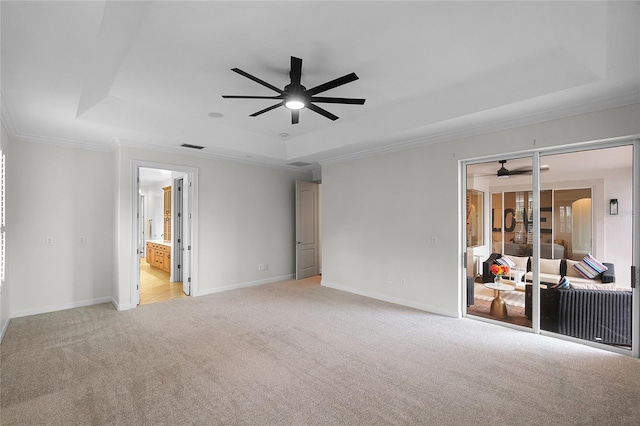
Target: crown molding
494, 126
187, 152
64, 143
116, 142
620, 100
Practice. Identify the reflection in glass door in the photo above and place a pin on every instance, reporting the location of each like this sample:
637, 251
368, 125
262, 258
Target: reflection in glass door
568, 240
586, 292
498, 264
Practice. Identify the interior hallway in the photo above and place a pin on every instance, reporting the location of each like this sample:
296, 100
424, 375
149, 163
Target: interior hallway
155, 285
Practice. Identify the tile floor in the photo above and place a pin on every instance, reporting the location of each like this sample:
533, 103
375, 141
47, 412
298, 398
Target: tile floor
155, 285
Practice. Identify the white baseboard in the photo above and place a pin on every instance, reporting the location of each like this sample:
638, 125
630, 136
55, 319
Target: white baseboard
391, 299
124, 307
46, 309
4, 329
243, 285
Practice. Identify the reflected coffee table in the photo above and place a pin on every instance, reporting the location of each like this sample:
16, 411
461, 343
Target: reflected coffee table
498, 305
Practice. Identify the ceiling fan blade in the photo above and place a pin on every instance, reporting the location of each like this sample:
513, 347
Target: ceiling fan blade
295, 116
250, 97
323, 112
520, 172
262, 111
257, 80
333, 83
296, 71
352, 101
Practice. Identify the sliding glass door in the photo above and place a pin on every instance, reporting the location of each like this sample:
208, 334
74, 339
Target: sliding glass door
506, 186
586, 293
561, 240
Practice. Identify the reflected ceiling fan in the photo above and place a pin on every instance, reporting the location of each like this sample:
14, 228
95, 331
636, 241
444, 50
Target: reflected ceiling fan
503, 172
295, 96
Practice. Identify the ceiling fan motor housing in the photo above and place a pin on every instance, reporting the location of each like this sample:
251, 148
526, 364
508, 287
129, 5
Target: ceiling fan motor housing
295, 97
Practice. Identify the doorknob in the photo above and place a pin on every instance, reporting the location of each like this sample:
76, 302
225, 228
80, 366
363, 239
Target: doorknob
299, 242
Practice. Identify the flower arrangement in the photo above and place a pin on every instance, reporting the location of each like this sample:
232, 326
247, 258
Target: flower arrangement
499, 270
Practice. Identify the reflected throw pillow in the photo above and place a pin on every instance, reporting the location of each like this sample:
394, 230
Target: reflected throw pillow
589, 267
505, 261
562, 284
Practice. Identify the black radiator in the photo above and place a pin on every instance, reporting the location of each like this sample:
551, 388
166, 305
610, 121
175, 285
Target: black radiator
596, 315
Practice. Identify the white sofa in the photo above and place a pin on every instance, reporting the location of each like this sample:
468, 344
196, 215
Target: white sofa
551, 270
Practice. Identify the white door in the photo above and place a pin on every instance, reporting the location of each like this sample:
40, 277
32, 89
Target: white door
186, 233
307, 247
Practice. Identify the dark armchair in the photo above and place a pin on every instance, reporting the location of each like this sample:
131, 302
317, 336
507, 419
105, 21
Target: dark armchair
595, 315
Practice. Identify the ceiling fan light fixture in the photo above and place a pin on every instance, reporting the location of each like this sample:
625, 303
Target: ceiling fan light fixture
294, 102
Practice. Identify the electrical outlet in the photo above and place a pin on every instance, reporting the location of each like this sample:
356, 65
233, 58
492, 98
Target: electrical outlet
260, 267
82, 240
48, 241
388, 281
434, 241
402, 282
265, 267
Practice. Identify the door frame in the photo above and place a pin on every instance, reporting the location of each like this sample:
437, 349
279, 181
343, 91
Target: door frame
635, 258
177, 227
192, 173
142, 234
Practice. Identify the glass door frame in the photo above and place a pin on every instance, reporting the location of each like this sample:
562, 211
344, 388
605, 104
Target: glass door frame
536, 187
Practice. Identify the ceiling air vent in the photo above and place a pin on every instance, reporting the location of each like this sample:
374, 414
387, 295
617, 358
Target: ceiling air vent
299, 164
188, 145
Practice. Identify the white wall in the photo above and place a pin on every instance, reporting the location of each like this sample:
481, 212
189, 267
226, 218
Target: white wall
617, 229
66, 195
5, 309
246, 217
381, 214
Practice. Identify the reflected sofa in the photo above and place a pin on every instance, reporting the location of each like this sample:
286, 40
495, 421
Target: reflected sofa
551, 270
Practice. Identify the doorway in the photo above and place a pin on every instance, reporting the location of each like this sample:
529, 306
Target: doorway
165, 216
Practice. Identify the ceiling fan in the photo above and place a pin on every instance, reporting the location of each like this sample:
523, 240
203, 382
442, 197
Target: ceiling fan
503, 172
295, 96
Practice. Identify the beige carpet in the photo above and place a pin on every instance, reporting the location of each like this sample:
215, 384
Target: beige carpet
295, 353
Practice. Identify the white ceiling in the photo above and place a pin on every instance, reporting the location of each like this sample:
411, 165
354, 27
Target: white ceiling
147, 74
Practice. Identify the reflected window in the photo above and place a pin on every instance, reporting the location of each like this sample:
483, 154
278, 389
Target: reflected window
475, 223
